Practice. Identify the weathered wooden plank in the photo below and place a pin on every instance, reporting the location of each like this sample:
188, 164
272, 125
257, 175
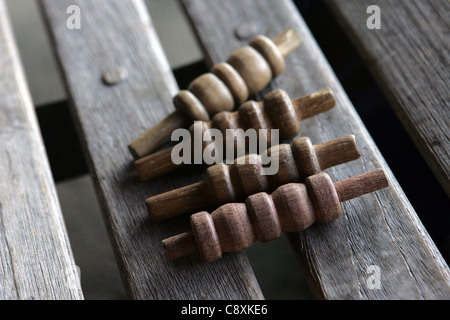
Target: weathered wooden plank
380, 229
410, 58
36, 261
117, 33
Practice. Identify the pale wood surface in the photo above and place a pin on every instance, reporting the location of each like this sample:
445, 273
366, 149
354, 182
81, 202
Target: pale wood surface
410, 58
36, 260
377, 229
117, 33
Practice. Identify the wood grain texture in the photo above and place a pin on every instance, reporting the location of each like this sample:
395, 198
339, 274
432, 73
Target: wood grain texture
117, 33
378, 229
247, 176
36, 260
410, 58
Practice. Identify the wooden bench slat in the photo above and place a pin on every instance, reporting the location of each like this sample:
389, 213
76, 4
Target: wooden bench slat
36, 260
379, 229
409, 57
117, 33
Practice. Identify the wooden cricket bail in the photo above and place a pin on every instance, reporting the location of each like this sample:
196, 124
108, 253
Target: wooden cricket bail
292, 207
276, 111
248, 70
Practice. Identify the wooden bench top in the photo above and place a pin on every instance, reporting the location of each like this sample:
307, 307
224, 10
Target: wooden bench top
36, 261
379, 229
409, 57
117, 33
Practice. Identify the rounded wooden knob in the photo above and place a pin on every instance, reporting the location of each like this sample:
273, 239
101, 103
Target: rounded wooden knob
324, 197
252, 67
263, 216
212, 93
280, 109
294, 207
269, 50
233, 81
203, 228
190, 106
233, 227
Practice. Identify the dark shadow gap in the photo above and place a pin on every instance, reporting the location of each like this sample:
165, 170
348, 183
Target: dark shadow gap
412, 172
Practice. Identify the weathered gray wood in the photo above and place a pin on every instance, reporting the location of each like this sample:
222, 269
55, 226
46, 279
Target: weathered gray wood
36, 261
117, 33
378, 229
410, 58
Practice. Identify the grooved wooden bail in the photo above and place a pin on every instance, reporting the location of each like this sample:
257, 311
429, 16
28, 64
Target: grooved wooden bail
276, 111
291, 208
231, 183
248, 70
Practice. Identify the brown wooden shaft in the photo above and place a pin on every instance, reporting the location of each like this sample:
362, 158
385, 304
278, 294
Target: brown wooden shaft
276, 111
248, 70
179, 245
156, 136
359, 185
179, 201
155, 165
291, 208
313, 104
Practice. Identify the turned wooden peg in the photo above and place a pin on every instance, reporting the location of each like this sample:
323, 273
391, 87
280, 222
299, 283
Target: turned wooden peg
291, 208
276, 111
235, 182
248, 70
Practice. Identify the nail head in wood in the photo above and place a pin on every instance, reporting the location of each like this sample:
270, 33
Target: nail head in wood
246, 31
114, 76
